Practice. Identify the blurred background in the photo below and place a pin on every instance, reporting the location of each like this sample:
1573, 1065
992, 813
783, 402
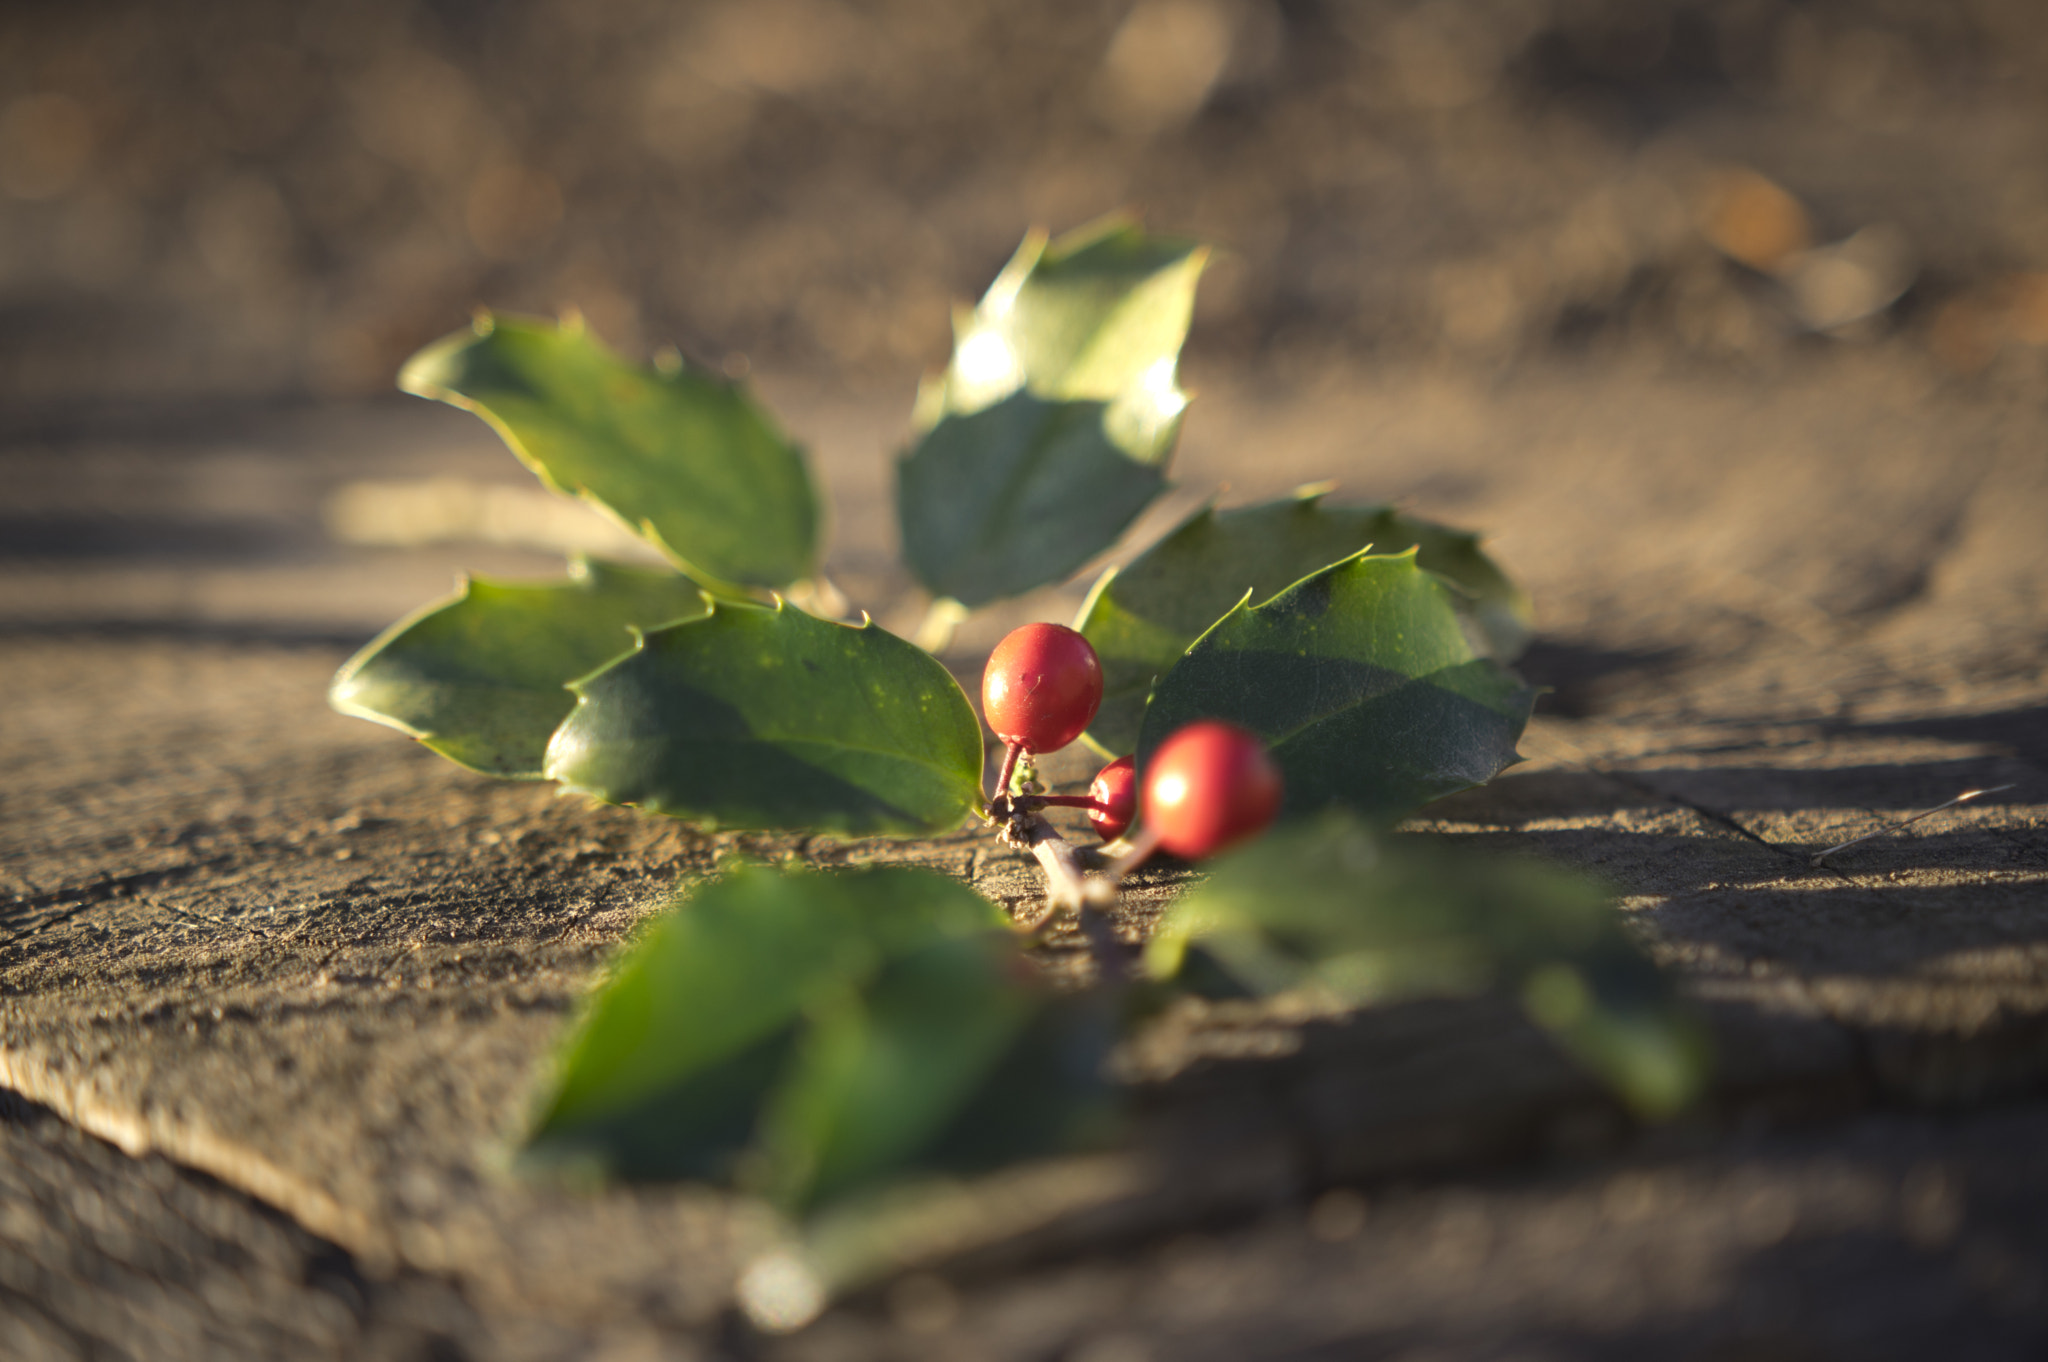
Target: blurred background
228, 199
1755, 286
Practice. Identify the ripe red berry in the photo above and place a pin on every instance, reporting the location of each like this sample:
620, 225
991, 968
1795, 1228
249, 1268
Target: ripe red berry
1115, 788
1041, 687
1210, 784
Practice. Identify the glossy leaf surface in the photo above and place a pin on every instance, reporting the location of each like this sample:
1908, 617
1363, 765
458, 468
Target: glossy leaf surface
686, 460
1143, 617
804, 1035
482, 678
1088, 316
1023, 493
1327, 906
760, 717
1362, 683
1053, 425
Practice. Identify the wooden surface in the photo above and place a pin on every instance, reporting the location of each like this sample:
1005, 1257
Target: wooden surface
287, 962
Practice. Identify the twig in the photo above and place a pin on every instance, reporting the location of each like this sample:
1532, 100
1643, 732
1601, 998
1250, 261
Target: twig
1112, 958
1072, 802
1140, 851
1068, 886
999, 801
1965, 797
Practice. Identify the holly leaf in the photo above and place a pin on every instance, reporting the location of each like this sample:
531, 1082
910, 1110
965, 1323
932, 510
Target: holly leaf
766, 717
1020, 494
882, 1067
1046, 1096
482, 677
1362, 683
1143, 617
685, 460
706, 1005
1328, 908
1054, 422
1086, 317
804, 1035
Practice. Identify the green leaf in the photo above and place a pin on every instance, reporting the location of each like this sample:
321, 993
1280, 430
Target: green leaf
1362, 683
1329, 908
813, 1036
1053, 425
683, 459
668, 1071
883, 1068
1143, 617
482, 677
1101, 310
766, 717
1045, 1096
1020, 494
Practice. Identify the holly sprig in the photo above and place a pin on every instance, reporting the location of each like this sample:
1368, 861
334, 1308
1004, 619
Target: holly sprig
826, 1040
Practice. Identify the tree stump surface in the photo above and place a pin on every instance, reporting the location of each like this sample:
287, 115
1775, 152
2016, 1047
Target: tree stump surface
305, 977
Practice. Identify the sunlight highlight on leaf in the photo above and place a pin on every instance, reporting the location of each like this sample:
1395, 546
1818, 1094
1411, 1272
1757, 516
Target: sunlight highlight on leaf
1052, 426
1362, 682
482, 678
768, 718
679, 457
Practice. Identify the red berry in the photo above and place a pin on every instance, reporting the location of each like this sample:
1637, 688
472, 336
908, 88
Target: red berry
1041, 687
1210, 784
1115, 788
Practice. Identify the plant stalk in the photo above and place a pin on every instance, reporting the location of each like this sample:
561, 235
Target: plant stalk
1073, 802
1140, 851
1068, 886
1010, 756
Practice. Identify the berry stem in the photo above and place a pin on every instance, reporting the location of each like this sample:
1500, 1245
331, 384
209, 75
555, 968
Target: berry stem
1002, 791
1072, 802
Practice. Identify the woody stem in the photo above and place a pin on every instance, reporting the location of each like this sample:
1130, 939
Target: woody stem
1073, 802
1069, 887
1010, 756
